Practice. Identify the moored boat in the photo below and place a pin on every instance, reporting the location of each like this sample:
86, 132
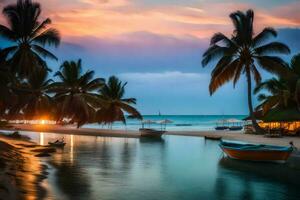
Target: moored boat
212, 137
57, 143
152, 133
235, 128
221, 128
256, 152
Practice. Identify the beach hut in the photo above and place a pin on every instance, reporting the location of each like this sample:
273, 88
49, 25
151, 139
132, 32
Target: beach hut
284, 120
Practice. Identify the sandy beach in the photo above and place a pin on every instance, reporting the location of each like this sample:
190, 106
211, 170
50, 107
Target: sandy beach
21, 171
228, 135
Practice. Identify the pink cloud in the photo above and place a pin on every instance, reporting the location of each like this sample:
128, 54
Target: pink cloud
108, 18
289, 12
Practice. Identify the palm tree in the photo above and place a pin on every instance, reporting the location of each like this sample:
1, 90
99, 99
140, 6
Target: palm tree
295, 78
29, 36
114, 105
34, 100
5, 80
279, 94
242, 54
75, 92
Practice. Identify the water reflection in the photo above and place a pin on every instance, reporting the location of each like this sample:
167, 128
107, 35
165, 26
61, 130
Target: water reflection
72, 180
71, 149
127, 156
251, 180
273, 171
151, 140
171, 168
105, 156
42, 138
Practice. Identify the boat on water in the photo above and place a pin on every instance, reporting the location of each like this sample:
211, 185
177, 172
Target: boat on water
151, 133
57, 143
212, 137
257, 152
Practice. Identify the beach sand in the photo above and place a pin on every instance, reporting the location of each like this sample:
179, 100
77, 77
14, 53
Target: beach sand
21, 172
228, 135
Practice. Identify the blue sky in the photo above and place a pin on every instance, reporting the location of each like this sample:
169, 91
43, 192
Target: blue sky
156, 45
168, 76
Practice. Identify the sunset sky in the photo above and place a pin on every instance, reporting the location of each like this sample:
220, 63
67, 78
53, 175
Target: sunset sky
156, 45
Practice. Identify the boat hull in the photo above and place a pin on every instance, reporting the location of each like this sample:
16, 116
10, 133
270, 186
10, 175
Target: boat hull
236, 128
56, 145
213, 137
256, 152
151, 133
221, 128
266, 156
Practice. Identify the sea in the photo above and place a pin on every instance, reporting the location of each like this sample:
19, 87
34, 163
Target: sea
177, 122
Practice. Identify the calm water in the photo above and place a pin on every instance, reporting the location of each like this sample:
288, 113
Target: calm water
177, 168
180, 122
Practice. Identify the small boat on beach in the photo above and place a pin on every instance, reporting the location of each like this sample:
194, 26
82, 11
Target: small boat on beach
212, 137
151, 133
221, 125
221, 128
256, 152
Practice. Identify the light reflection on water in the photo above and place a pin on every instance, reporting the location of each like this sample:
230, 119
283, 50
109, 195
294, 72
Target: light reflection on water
173, 168
42, 138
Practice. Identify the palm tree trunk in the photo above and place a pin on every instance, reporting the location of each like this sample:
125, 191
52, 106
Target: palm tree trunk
251, 112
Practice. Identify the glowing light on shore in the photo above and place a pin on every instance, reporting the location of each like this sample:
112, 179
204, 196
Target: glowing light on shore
43, 122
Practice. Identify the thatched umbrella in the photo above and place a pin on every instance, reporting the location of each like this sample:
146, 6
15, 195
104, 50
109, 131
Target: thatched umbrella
164, 122
282, 115
148, 121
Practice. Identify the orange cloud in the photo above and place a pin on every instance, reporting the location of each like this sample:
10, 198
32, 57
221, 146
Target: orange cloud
108, 18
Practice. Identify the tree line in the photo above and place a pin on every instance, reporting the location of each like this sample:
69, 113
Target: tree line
26, 90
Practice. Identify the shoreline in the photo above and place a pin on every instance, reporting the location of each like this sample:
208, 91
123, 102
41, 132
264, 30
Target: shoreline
22, 172
227, 135
23, 176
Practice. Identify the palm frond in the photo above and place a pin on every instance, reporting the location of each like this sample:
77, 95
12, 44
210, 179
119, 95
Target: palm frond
45, 53
295, 64
131, 110
220, 37
263, 36
40, 27
273, 47
214, 52
223, 77
273, 64
49, 37
6, 33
